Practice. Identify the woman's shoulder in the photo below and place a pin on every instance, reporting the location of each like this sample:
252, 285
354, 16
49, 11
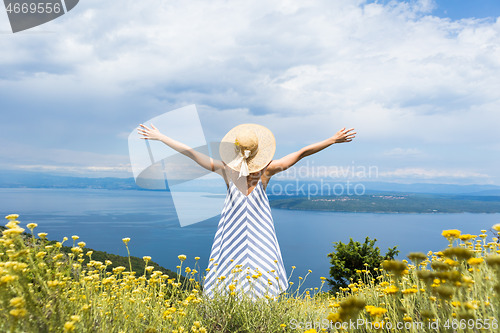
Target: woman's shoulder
272, 168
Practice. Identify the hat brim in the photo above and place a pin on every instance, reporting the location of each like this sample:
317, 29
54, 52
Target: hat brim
267, 147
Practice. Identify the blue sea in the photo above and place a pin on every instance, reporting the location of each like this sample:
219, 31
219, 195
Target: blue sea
101, 218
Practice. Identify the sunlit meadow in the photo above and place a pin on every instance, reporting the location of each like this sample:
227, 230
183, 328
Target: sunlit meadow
43, 289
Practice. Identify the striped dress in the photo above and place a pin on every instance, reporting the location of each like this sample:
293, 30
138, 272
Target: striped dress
245, 254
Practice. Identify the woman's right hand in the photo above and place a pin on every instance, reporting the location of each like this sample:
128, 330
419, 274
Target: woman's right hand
344, 135
149, 133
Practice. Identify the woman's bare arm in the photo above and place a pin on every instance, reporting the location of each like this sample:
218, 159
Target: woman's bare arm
203, 160
287, 161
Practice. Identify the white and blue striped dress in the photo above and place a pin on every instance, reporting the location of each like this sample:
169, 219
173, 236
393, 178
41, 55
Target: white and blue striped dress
245, 252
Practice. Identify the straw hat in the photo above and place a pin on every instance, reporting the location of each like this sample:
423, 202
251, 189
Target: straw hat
247, 148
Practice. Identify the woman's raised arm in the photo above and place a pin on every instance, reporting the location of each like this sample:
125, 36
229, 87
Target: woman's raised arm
203, 160
287, 161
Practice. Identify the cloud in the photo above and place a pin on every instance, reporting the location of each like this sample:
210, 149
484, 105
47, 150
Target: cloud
95, 171
22, 157
403, 152
394, 71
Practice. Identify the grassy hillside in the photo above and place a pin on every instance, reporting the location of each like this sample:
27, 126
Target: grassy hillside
43, 290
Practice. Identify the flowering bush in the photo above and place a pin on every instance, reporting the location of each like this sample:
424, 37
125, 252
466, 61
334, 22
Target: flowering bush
349, 258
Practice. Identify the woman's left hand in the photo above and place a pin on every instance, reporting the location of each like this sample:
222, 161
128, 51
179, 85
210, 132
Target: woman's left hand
149, 133
344, 135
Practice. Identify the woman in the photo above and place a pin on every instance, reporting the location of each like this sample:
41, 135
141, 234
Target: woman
245, 253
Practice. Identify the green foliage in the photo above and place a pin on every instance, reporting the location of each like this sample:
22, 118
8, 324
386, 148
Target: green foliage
346, 259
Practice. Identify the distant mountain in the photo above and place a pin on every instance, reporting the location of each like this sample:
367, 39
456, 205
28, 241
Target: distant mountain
19, 179
16, 179
486, 193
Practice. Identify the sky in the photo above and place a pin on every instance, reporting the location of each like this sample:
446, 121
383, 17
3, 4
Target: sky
418, 80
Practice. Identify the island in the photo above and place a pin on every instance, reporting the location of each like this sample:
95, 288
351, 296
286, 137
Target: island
392, 203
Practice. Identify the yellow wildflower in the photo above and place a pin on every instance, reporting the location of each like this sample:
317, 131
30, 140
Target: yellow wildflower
12, 232
458, 252
12, 224
451, 262
126, 240
69, 326
182, 257
375, 311
32, 226
394, 266
475, 261
391, 290
471, 305
17, 302
52, 283
334, 317
410, 291
7, 278
41, 254
417, 257
452, 233
466, 237
18, 313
